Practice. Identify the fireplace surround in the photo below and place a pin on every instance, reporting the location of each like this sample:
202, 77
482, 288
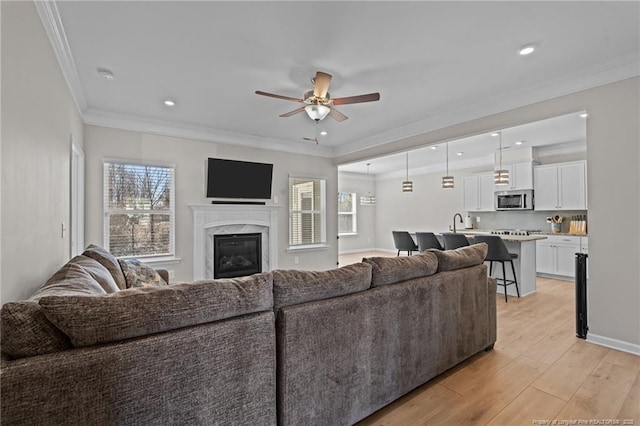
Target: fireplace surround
225, 219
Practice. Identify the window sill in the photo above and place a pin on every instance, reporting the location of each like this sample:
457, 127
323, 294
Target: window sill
348, 234
166, 260
308, 247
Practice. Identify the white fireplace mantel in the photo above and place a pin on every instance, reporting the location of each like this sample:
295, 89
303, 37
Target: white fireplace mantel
216, 219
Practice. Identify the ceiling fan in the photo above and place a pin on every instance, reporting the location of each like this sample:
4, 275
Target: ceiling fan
318, 103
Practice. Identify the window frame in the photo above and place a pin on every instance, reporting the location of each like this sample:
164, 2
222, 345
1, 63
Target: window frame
353, 213
171, 212
322, 211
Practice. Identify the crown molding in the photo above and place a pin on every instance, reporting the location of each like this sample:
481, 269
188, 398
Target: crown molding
115, 120
50, 17
597, 75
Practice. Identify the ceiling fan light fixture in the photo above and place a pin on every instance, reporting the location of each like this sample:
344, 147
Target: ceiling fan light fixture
317, 112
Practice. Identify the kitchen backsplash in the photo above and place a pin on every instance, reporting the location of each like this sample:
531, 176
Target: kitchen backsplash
527, 219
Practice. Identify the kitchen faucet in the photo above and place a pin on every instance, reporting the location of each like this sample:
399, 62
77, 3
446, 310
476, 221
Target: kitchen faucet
454, 221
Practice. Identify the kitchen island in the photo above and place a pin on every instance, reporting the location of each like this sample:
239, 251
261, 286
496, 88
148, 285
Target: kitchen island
525, 265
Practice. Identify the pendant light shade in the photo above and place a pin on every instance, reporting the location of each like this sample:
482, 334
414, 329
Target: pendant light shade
501, 176
369, 199
407, 185
447, 180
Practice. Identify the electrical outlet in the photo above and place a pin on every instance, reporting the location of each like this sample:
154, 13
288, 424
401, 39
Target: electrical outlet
171, 274
478, 219
275, 200
296, 260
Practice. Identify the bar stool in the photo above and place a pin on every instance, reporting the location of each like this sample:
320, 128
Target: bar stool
453, 240
404, 242
498, 252
427, 240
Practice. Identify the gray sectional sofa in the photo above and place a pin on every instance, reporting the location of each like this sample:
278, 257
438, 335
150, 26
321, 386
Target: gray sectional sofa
104, 342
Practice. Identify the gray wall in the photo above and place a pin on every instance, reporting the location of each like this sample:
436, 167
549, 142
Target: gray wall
613, 142
365, 240
189, 158
38, 119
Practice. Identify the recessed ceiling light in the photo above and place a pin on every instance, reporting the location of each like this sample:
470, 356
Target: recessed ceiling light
323, 133
433, 147
105, 73
519, 142
526, 50
584, 115
460, 153
495, 134
169, 102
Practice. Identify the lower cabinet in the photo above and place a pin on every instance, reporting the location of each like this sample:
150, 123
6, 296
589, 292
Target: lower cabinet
556, 255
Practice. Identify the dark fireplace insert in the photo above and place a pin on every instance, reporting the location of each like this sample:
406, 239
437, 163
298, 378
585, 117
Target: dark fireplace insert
237, 255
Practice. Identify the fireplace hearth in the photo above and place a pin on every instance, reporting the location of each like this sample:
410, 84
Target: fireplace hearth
237, 255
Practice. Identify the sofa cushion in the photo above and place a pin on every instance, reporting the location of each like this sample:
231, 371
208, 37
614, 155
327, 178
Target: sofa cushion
137, 274
25, 329
462, 257
27, 332
109, 261
98, 272
389, 270
291, 287
146, 310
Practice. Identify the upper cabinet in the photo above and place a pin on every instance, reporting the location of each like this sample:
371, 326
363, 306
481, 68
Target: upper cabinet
561, 186
478, 192
520, 176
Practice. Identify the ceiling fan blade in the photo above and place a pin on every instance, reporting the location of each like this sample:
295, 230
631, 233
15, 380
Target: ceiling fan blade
271, 95
294, 112
337, 115
321, 84
370, 97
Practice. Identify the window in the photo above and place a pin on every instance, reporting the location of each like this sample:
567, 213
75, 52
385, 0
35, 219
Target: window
347, 213
139, 209
307, 217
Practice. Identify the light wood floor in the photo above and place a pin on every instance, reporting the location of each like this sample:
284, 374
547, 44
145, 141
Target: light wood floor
537, 371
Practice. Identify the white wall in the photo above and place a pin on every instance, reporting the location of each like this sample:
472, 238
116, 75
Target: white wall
39, 117
365, 240
613, 150
428, 208
189, 158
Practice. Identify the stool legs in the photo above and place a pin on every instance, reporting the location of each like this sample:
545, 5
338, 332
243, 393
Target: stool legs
504, 277
515, 279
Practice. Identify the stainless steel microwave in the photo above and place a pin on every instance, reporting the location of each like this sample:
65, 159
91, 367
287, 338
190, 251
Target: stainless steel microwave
514, 200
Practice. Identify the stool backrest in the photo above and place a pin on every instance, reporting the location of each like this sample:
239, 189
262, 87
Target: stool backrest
427, 240
403, 241
454, 240
497, 248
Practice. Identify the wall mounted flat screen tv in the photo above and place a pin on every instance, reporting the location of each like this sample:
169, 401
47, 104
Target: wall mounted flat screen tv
238, 179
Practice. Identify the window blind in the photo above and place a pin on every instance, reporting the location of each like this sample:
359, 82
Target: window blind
307, 219
139, 209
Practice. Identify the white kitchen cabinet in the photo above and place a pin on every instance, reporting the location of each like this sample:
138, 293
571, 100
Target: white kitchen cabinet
520, 176
556, 255
560, 186
478, 192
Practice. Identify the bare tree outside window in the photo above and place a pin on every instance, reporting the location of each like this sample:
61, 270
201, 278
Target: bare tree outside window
139, 209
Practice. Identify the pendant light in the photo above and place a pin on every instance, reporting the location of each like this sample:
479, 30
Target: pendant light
407, 185
369, 199
501, 176
447, 181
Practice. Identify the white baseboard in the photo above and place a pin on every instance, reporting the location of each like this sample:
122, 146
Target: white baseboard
608, 342
386, 250
362, 250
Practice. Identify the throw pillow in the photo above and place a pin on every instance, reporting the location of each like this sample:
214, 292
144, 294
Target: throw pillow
137, 274
463, 257
109, 261
98, 272
291, 287
389, 270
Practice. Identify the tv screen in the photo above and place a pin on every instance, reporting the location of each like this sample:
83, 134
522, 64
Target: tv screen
238, 179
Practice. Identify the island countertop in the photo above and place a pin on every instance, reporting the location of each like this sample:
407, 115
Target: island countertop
519, 238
